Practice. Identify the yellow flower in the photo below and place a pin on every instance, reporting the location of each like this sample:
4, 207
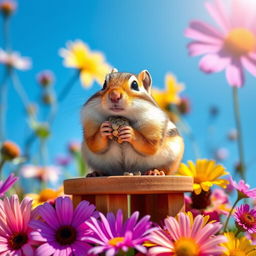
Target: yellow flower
238, 246
206, 173
171, 93
46, 195
91, 65
169, 96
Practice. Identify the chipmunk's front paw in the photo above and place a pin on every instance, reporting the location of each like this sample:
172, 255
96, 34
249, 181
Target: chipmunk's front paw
126, 133
106, 129
154, 172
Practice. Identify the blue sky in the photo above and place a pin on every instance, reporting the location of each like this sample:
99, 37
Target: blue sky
133, 35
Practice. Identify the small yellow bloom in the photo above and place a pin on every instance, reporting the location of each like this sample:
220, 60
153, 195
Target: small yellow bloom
171, 93
91, 65
168, 96
46, 195
206, 173
238, 246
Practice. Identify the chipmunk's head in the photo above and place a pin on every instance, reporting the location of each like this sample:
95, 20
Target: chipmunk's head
120, 91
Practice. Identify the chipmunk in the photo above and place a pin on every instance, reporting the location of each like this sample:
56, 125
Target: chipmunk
149, 141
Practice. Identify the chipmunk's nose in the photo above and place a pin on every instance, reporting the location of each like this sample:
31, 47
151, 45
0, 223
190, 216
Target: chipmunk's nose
115, 96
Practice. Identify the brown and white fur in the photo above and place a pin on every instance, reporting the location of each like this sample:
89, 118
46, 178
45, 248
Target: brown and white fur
150, 142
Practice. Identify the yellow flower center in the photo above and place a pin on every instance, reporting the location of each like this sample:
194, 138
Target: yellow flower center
47, 194
115, 241
186, 247
240, 41
248, 219
237, 252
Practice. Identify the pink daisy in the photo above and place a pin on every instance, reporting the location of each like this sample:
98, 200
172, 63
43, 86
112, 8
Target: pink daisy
243, 189
61, 228
15, 234
245, 218
112, 235
7, 184
230, 48
43, 173
187, 236
14, 60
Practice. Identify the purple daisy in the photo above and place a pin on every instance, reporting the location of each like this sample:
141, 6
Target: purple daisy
112, 235
245, 218
7, 184
243, 189
61, 228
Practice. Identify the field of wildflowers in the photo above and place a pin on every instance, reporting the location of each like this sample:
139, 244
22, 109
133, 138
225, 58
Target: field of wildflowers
36, 218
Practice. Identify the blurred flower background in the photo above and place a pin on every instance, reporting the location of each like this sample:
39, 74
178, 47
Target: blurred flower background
54, 56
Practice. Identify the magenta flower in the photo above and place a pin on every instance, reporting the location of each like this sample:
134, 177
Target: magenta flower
15, 236
245, 218
112, 235
243, 189
61, 228
230, 48
187, 236
7, 184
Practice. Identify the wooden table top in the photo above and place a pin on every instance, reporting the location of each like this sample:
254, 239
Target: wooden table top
128, 185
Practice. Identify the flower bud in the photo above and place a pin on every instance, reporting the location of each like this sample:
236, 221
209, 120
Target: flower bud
31, 109
184, 106
10, 150
48, 98
45, 78
7, 7
74, 147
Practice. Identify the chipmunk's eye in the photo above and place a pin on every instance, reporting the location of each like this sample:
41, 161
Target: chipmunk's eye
104, 85
134, 85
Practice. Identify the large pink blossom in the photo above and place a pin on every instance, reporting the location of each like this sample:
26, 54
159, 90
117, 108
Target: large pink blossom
185, 236
15, 234
232, 46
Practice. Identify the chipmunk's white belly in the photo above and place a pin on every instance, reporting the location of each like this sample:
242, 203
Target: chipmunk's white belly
122, 158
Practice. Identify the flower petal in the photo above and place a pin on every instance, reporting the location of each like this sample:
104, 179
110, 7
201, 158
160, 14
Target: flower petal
204, 33
235, 75
213, 63
217, 10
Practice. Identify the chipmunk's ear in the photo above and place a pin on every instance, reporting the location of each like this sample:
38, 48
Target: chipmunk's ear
146, 79
114, 70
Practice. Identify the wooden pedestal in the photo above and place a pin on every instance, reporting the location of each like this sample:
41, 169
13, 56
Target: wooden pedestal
158, 196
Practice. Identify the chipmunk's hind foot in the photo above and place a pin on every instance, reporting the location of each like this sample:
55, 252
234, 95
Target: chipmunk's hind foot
155, 172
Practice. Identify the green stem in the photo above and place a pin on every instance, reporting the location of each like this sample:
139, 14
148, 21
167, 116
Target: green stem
53, 112
20, 89
239, 132
237, 232
3, 85
69, 85
43, 152
3, 103
2, 162
230, 213
6, 34
62, 95
43, 159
